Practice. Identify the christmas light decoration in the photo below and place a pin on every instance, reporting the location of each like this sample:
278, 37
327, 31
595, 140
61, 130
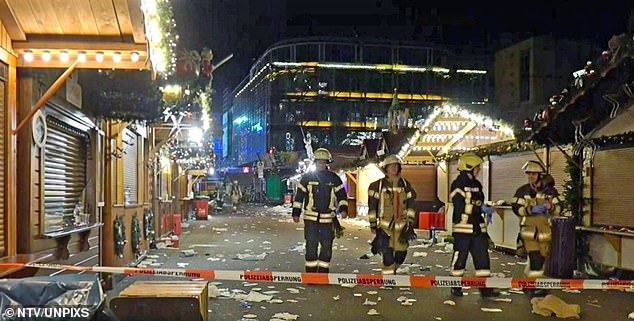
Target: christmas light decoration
160, 29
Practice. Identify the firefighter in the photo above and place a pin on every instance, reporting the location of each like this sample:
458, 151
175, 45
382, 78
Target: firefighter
391, 214
469, 225
319, 194
236, 195
534, 203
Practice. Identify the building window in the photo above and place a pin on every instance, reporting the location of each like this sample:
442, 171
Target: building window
525, 67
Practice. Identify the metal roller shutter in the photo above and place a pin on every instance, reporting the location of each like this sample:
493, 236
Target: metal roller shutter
613, 179
507, 175
130, 165
2, 156
558, 164
64, 172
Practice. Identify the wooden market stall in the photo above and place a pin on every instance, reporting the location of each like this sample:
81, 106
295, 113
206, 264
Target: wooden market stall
597, 122
60, 158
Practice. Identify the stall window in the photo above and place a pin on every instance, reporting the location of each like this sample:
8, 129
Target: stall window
65, 180
507, 175
612, 179
130, 167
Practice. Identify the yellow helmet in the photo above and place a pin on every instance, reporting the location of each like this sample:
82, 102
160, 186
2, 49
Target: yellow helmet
468, 162
323, 154
392, 159
533, 167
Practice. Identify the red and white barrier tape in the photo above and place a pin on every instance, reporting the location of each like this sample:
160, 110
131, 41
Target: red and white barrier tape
350, 279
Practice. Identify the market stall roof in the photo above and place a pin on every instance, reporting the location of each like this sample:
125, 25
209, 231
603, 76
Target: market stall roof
453, 128
101, 34
597, 103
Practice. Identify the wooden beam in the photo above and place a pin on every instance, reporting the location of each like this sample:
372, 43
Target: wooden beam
136, 18
458, 136
10, 22
47, 95
85, 44
11, 185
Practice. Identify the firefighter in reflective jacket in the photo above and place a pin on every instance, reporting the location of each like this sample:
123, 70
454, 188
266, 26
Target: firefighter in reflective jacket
391, 214
469, 224
535, 203
236, 195
319, 194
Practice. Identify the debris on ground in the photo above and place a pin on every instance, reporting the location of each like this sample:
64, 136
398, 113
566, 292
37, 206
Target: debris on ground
492, 310
507, 300
271, 292
291, 301
212, 291
247, 284
420, 254
251, 257
571, 291
366, 256
516, 291
404, 269
348, 285
250, 316
449, 302
285, 316
182, 264
368, 302
293, 290
336, 298
373, 312
188, 253
276, 301
372, 292
358, 294
213, 259
299, 247
631, 316
553, 305
202, 245
255, 296
219, 229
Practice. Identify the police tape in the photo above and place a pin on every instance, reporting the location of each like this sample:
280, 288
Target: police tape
349, 279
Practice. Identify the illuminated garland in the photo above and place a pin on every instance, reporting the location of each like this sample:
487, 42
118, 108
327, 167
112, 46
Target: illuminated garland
491, 150
626, 139
160, 27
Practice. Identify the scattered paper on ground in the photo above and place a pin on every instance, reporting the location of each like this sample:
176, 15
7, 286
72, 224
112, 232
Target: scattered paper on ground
348, 285
203, 245
420, 254
276, 301
373, 312
336, 298
182, 264
631, 316
250, 316
449, 302
494, 310
571, 291
213, 291
285, 316
372, 292
219, 229
553, 305
251, 257
358, 294
271, 292
293, 290
368, 302
508, 300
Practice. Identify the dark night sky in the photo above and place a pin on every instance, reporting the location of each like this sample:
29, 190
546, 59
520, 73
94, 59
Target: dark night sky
247, 27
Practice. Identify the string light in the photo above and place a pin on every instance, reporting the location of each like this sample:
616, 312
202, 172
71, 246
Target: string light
99, 57
116, 58
82, 57
63, 57
46, 56
134, 57
28, 56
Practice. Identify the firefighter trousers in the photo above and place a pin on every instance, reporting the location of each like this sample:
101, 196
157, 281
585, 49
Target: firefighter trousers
478, 246
536, 235
319, 238
391, 259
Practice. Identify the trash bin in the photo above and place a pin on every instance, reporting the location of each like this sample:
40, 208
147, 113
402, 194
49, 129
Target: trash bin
561, 261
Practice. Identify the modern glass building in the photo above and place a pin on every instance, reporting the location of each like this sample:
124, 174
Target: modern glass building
339, 91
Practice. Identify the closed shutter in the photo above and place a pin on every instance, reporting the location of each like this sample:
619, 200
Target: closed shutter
64, 172
558, 164
612, 183
2, 168
130, 165
507, 175
423, 181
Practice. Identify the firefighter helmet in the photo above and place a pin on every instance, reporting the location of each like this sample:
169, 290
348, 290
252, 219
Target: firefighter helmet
392, 159
468, 162
323, 154
533, 167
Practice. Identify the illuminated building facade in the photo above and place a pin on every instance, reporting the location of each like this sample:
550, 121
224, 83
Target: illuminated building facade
340, 91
